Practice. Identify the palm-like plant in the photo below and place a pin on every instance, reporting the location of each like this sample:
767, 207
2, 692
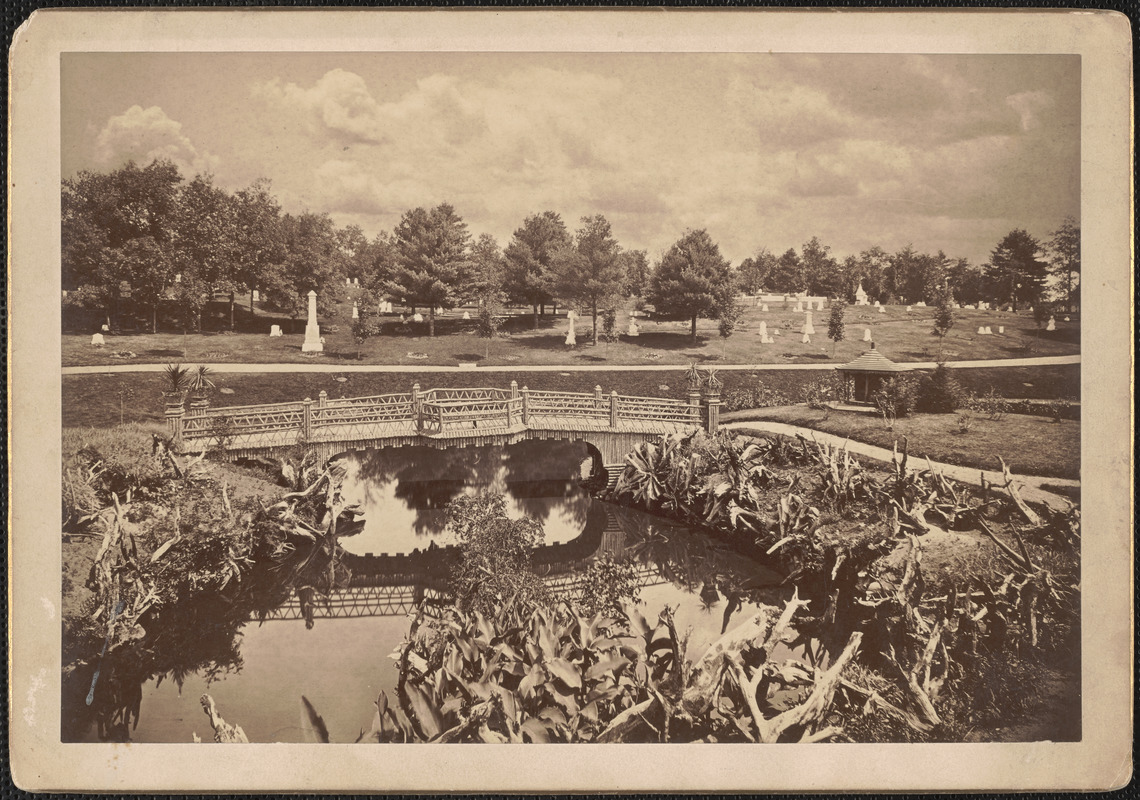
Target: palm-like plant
199, 380
177, 379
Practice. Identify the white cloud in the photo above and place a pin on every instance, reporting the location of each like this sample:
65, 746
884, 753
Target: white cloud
142, 135
1029, 106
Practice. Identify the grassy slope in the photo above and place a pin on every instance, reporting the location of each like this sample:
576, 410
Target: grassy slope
1029, 445
900, 336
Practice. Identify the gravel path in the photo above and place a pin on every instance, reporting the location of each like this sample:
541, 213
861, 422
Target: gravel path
420, 369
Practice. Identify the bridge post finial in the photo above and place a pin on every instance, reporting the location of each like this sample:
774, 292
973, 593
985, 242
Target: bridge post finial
613, 409
322, 399
514, 388
525, 406
598, 395
307, 419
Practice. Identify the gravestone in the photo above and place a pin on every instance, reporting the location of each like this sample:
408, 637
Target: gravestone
1052, 326
1001, 329
256, 296
355, 311
988, 331
356, 281
981, 331
633, 329
921, 304
808, 327
882, 310
1066, 319
908, 309
313, 342
764, 307
860, 295
763, 331
417, 317
877, 304
806, 339
466, 315
866, 334
275, 331
97, 340
348, 282
799, 307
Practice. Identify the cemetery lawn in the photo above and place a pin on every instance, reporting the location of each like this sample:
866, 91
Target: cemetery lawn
898, 335
1030, 445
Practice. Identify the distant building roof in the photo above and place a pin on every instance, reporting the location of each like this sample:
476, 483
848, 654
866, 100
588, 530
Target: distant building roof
872, 361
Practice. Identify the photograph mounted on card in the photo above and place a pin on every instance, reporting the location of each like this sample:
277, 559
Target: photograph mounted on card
677, 382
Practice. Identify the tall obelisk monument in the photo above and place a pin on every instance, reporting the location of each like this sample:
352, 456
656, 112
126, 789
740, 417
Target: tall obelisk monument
312, 329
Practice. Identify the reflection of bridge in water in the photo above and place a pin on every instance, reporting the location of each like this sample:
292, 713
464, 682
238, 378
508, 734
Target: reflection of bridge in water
396, 585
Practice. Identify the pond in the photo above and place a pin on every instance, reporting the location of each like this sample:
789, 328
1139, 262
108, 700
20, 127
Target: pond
341, 664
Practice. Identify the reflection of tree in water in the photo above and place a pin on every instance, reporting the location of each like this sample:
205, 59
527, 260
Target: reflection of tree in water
199, 634
695, 561
532, 473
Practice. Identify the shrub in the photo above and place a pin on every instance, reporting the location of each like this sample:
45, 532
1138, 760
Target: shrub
119, 459
606, 585
758, 396
940, 392
819, 392
895, 397
992, 404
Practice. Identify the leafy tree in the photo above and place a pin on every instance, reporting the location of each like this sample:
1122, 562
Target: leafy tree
690, 278
592, 271
488, 269
529, 267
1016, 274
753, 274
609, 332
1042, 311
966, 282
872, 269
146, 267
836, 328
607, 587
495, 565
206, 233
432, 250
636, 272
259, 239
1065, 257
728, 314
363, 329
943, 315
820, 271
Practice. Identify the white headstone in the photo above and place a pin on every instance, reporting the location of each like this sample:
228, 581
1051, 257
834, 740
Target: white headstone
988, 331
763, 330
806, 339
881, 309
466, 315
355, 311
860, 295
866, 334
799, 307
313, 342
808, 327
921, 304
633, 329
764, 307
275, 330
356, 281
908, 309
256, 296
417, 317
1001, 329
819, 304
348, 281
178, 278
981, 331
438, 310
877, 304
1052, 326
97, 340
1066, 319
106, 328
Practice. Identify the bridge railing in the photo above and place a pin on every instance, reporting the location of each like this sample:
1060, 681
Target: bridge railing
431, 412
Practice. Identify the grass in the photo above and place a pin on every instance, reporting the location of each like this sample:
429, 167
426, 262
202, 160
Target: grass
1029, 445
897, 334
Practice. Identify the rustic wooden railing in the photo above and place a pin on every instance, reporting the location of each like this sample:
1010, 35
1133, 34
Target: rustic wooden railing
433, 413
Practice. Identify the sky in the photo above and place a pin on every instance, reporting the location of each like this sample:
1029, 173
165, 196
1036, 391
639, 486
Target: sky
944, 152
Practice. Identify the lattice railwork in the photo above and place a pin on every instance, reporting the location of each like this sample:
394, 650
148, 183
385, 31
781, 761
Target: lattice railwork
364, 601
656, 409
244, 426
462, 395
569, 404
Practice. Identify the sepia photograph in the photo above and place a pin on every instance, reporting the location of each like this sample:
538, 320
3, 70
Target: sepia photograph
432, 389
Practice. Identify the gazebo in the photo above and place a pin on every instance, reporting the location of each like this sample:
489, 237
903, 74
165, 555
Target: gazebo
865, 375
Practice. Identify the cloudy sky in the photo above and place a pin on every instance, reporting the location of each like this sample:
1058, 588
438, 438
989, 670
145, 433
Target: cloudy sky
945, 152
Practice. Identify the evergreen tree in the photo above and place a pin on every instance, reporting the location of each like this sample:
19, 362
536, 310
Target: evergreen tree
432, 259
1016, 274
528, 271
943, 315
836, 327
591, 271
1065, 257
754, 273
691, 278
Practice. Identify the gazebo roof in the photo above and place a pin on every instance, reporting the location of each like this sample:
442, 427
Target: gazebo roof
872, 361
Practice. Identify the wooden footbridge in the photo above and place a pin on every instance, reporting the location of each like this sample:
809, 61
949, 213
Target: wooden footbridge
611, 424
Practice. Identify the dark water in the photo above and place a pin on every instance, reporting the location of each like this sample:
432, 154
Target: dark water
341, 665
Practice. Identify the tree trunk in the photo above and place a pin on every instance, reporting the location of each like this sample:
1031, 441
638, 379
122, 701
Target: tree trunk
251, 302
231, 311
154, 318
535, 308
694, 329
594, 311
431, 321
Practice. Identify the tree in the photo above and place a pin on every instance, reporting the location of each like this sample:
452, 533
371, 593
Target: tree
636, 272
1042, 311
943, 315
146, 267
752, 276
205, 230
966, 282
609, 332
259, 242
1015, 273
836, 328
787, 275
871, 268
592, 270
529, 260
363, 329
728, 314
820, 270
1065, 257
487, 271
690, 278
432, 259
